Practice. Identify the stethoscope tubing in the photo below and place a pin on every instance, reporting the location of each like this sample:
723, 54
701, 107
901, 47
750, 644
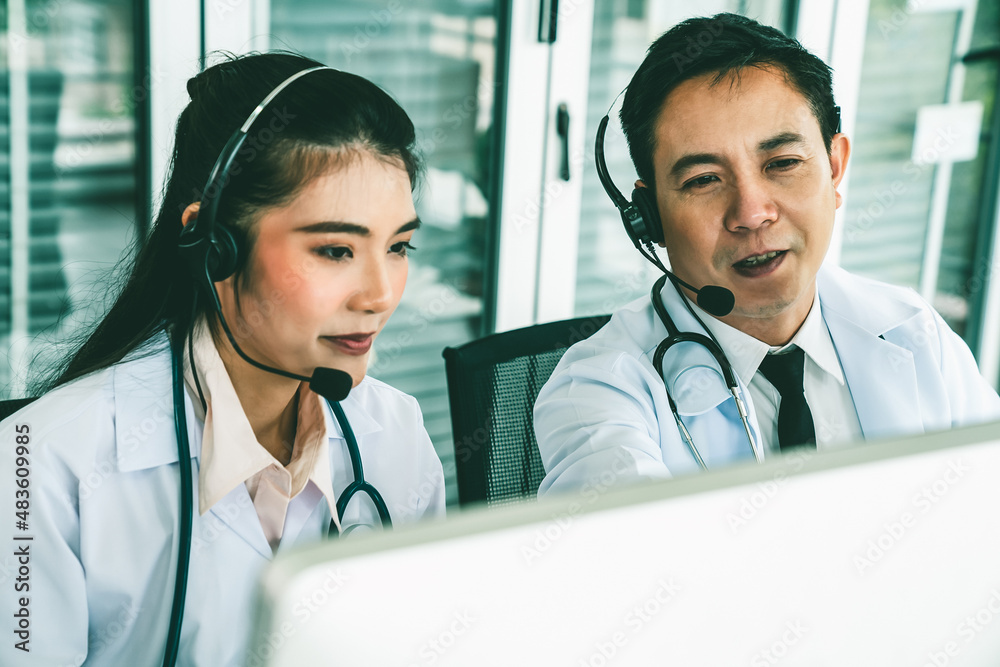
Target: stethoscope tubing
675, 337
186, 515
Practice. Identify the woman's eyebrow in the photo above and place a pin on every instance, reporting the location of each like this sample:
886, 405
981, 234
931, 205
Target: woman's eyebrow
334, 227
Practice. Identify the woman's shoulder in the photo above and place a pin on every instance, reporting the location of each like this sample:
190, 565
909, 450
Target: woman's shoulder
81, 414
373, 391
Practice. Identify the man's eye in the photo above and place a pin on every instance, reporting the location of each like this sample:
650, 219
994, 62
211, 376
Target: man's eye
701, 181
785, 163
334, 252
402, 248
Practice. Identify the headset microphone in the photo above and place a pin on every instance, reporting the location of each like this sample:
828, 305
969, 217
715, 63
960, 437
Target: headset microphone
713, 299
642, 224
212, 252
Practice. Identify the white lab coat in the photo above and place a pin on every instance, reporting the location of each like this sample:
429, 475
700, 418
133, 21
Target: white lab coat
103, 515
603, 419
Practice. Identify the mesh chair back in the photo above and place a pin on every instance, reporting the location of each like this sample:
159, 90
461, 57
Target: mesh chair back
492, 386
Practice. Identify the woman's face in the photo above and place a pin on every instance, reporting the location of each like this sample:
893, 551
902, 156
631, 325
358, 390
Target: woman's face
327, 270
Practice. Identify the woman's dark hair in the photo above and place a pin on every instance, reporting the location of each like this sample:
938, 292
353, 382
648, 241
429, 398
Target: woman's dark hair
722, 44
311, 126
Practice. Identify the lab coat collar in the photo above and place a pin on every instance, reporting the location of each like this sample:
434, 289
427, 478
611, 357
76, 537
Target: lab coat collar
362, 423
144, 409
876, 313
881, 375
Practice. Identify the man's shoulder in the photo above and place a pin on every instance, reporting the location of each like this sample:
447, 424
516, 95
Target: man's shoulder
630, 330
872, 304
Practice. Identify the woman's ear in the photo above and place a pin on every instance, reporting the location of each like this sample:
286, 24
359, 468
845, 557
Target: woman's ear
190, 213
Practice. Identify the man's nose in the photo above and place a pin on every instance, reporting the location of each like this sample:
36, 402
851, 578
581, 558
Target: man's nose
752, 206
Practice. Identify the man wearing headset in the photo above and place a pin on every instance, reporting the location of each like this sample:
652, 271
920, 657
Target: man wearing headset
739, 155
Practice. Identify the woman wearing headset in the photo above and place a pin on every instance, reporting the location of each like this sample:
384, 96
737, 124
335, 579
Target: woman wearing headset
300, 244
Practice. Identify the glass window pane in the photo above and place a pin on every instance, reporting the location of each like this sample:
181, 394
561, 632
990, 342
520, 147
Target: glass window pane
437, 60
892, 197
79, 170
888, 205
966, 267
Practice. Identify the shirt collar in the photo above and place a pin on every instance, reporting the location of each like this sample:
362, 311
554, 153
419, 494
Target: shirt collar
814, 339
746, 352
231, 454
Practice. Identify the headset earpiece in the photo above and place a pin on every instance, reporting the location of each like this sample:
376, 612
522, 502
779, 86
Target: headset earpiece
647, 226
209, 248
223, 254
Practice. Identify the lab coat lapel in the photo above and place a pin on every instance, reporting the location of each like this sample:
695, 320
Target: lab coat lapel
236, 511
881, 376
146, 439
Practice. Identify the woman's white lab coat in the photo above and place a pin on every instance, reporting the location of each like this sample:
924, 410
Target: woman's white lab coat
603, 419
103, 517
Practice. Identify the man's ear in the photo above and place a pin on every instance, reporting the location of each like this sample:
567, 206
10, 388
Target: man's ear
190, 213
840, 151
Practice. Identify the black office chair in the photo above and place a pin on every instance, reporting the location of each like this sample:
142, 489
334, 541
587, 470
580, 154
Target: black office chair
9, 407
492, 386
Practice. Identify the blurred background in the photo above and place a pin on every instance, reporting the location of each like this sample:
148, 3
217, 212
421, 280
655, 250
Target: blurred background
506, 98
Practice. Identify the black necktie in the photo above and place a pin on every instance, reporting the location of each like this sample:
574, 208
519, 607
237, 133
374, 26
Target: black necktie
795, 423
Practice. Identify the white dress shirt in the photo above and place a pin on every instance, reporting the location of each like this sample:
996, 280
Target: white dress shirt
827, 394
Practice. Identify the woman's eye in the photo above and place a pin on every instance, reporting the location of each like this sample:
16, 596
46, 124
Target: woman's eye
402, 248
334, 252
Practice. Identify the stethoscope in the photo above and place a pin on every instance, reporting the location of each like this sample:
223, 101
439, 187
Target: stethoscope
359, 485
674, 337
642, 224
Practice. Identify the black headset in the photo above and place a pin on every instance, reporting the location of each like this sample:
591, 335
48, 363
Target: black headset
641, 216
209, 247
212, 253
641, 219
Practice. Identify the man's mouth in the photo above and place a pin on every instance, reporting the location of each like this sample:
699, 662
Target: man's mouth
756, 260
758, 265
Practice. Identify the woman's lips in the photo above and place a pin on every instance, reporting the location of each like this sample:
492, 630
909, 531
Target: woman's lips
353, 344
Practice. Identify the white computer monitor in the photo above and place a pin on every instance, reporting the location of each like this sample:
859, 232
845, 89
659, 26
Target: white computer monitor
884, 554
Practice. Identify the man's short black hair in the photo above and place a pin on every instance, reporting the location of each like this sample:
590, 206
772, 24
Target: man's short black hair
724, 44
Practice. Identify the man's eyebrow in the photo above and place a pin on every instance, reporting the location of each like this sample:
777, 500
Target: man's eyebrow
334, 227
780, 141
693, 159
777, 141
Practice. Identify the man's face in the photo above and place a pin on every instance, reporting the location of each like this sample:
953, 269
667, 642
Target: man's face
747, 192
